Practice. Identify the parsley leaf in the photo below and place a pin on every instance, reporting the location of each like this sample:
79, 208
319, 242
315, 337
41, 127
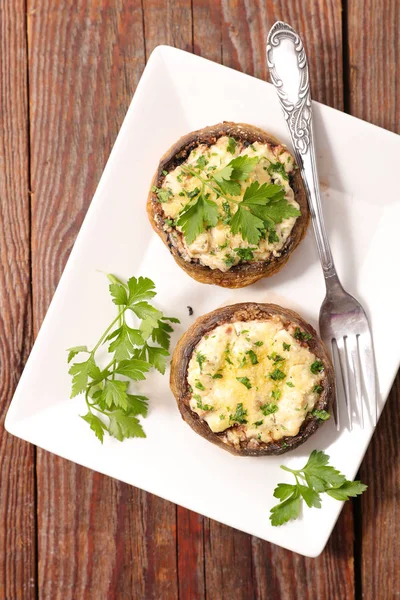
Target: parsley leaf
124, 426
96, 425
257, 193
287, 510
237, 170
196, 215
273, 236
80, 375
348, 489
248, 225
133, 368
231, 145
111, 408
242, 166
114, 393
314, 478
161, 334
223, 179
72, 352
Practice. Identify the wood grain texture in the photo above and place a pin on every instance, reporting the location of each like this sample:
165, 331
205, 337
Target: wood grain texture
280, 574
190, 540
245, 26
374, 95
374, 61
17, 484
85, 59
98, 538
168, 22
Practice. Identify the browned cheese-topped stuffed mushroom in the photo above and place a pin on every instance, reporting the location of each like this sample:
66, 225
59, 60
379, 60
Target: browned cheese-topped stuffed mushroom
229, 203
255, 379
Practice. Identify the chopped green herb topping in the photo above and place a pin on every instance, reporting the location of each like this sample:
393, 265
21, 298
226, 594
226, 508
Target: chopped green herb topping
278, 168
245, 254
227, 353
245, 381
322, 415
217, 376
276, 357
269, 409
317, 367
200, 358
202, 162
253, 357
229, 260
289, 384
277, 375
301, 336
286, 346
200, 404
239, 415
273, 237
317, 389
276, 394
258, 423
199, 385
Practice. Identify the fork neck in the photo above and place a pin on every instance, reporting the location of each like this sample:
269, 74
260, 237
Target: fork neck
332, 281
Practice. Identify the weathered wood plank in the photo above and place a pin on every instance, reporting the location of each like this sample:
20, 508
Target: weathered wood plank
98, 538
168, 22
17, 469
374, 60
282, 574
245, 26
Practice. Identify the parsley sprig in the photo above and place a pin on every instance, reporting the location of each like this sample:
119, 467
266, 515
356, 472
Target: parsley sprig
111, 407
316, 477
263, 205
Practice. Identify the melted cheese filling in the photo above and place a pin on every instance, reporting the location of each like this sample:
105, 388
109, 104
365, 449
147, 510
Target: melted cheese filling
255, 376
215, 248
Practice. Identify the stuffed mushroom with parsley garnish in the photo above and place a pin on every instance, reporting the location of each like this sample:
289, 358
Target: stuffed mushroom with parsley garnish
229, 203
255, 379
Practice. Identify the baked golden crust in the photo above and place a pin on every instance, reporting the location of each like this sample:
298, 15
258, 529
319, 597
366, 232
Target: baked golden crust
248, 311
242, 274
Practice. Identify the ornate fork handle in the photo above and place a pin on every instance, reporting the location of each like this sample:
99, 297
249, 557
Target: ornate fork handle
288, 67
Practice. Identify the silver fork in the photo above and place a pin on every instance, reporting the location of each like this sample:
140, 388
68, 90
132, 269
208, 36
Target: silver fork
343, 323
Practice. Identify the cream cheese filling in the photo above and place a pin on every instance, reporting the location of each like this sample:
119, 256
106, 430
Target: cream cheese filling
215, 247
254, 375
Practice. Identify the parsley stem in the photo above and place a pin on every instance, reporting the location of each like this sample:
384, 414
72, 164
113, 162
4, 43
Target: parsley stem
208, 184
107, 330
294, 471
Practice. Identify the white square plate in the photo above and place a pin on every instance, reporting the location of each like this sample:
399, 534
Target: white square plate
358, 166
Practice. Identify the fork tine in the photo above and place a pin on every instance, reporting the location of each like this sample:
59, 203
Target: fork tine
354, 365
336, 364
345, 378
367, 360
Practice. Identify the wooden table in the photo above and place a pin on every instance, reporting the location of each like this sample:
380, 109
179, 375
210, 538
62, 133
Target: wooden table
68, 72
